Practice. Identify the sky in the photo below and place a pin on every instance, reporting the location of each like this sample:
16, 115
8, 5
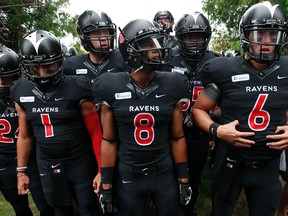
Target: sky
122, 12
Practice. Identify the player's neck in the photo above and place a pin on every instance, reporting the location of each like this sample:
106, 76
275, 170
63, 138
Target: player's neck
142, 77
255, 64
96, 58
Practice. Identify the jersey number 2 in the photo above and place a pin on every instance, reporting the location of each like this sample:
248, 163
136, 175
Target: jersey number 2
5, 129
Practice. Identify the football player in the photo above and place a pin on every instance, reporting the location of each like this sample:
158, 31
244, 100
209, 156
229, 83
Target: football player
56, 110
9, 72
252, 93
193, 33
98, 36
151, 103
165, 20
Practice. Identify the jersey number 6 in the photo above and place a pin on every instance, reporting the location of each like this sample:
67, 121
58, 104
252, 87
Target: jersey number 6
259, 119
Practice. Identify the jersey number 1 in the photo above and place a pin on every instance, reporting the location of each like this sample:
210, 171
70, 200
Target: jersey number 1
45, 118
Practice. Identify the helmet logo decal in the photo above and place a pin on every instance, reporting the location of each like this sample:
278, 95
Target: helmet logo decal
33, 39
270, 7
121, 38
195, 16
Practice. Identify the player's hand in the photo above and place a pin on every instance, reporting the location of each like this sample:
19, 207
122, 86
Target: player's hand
22, 183
97, 183
228, 133
105, 200
185, 193
279, 141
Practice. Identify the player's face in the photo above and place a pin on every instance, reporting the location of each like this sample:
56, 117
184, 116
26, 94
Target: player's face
152, 46
264, 41
100, 38
164, 22
6, 81
194, 39
45, 70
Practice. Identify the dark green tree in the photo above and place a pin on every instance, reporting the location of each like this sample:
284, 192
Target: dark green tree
18, 17
225, 15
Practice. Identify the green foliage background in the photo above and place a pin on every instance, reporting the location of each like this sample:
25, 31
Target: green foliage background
228, 13
19, 17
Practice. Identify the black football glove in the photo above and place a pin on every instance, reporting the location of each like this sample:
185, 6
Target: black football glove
185, 193
105, 200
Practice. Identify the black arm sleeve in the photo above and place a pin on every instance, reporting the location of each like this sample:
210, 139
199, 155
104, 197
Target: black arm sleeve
212, 91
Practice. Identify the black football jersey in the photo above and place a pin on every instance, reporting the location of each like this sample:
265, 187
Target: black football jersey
8, 131
55, 116
142, 115
81, 65
180, 65
257, 98
173, 42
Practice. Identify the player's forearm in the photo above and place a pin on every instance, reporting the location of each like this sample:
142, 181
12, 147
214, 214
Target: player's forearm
201, 118
108, 153
108, 161
179, 150
24, 149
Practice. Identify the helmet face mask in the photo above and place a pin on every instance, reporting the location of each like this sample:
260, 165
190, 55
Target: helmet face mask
194, 45
101, 40
90, 27
264, 34
143, 44
9, 70
265, 43
193, 33
41, 50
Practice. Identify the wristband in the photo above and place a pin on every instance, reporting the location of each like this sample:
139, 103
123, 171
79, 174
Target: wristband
182, 170
21, 169
107, 175
213, 130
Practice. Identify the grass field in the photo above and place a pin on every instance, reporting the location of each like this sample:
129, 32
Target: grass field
7, 210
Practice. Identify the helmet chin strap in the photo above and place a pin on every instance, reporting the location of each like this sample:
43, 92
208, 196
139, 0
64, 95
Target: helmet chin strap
138, 69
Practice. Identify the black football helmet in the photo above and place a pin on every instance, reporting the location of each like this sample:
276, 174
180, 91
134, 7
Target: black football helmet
193, 32
9, 67
72, 51
137, 33
258, 19
65, 50
68, 51
90, 21
165, 14
40, 48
